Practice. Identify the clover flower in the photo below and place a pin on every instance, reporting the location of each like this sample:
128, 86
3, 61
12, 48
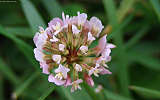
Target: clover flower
63, 50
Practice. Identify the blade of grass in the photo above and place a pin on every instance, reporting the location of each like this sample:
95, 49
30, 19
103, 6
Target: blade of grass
156, 6
146, 60
1, 88
47, 92
26, 49
120, 27
145, 92
92, 93
79, 95
66, 93
137, 36
122, 59
125, 7
32, 15
8, 73
112, 96
53, 7
122, 72
21, 88
148, 47
20, 31
110, 9
71, 9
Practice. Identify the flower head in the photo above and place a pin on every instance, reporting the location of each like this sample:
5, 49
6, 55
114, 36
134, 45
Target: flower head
63, 50
75, 85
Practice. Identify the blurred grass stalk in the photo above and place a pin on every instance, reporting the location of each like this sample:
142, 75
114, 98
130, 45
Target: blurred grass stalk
115, 17
21, 88
1, 87
146, 93
156, 6
8, 73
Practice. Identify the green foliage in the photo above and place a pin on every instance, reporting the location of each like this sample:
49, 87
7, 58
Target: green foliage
113, 96
8, 73
52, 5
135, 32
145, 92
32, 15
156, 7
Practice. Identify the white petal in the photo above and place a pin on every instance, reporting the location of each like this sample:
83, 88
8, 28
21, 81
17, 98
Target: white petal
81, 18
61, 47
56, 58
84, 49
90, 37
75, 29
38, 55
78, 68
54, 39
96, 24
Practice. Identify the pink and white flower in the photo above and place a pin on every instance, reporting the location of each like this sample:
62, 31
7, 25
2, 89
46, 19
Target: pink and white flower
61, 72
64, 50
51, 78
78, 68
75, 85
96, 25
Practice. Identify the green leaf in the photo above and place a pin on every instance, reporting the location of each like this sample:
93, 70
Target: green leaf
145, 92
124, 8
91, 92
156, 7
72, 9
26, 49
20, 31
120, 27
53, 7
146, 60
112, 96
123, 78
1, 88
20, 89
8, 73
137, 36
47, 92
79, 95
32, 15
111, 12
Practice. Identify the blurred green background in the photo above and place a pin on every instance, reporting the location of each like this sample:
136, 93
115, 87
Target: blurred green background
135, 62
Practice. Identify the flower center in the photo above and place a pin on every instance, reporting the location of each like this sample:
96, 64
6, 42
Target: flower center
72, 56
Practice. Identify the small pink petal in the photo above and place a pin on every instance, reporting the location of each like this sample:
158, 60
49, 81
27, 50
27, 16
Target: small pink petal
54, 22
36, 37
106, 52
51, 78
96, 23
68, 81
104, 71
81, 18
88, 79
75, 30
66, 19
109, 45
38, 55
44, 67
101, 45
40, 40
78, 81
